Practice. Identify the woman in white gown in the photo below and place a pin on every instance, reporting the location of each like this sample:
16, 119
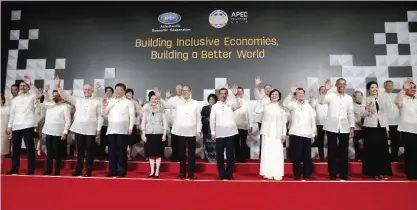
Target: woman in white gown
4, 138
274, 132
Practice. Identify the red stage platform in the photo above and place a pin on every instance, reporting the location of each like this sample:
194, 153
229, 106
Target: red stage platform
248, 191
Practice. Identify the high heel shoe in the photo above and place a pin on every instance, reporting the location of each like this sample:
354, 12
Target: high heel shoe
151, 176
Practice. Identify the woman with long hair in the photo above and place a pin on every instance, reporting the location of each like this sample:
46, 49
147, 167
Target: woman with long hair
376, 162
209, 144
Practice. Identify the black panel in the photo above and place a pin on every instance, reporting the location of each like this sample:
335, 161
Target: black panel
39, 83
412, 26
404, 49
406, 71
380, 49
392, 38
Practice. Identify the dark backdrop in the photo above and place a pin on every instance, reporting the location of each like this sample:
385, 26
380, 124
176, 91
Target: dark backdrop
92, 36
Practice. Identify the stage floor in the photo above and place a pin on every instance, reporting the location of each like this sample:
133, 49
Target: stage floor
20, 192
247, 191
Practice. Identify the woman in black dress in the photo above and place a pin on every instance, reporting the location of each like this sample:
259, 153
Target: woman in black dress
376, 162
209, 144
154, 127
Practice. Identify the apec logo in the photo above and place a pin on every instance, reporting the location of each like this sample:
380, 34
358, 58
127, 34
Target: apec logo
240, 14
169, 18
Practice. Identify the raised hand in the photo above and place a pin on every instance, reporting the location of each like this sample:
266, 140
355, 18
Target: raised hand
293, 88
327, 84
258, 80
57, 81
407, 82
311, 93
98, 85
47, 88
27, 80
234, 89
168, 93
140, 101
157, 93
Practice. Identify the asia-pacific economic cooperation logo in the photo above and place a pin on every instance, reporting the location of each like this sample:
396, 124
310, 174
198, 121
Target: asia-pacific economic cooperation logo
170, 22
169, 18
218, 19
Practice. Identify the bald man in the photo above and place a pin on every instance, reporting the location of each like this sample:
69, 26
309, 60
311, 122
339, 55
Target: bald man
86, 126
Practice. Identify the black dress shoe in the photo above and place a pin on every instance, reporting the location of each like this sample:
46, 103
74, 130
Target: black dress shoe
57, 173
309, 178
192, 177
76, 173
88, 174
345, 178
383, 177
333, 178
122, 174
46, 173
230, 178
111, 174
297, 178
11, 172
30, 173
220, 178
181, 176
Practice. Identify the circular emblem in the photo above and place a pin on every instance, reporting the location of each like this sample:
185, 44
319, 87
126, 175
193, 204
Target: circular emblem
218, 19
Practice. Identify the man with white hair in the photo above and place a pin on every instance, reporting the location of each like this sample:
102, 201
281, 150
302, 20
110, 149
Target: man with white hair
87, 125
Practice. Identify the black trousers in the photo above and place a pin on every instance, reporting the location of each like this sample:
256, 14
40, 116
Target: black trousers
410, 154
85, 144
395, 137
27, 134
54, 145
174, 147
300, 151
376, 158
260, 140
337, 154
184, 143
228, 143
101, 148
356, 137
118, 153
320, 141
241, 149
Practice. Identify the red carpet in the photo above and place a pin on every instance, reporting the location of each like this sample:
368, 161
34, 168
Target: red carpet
248, 191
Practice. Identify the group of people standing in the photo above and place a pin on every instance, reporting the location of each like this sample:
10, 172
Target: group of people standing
224, 125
